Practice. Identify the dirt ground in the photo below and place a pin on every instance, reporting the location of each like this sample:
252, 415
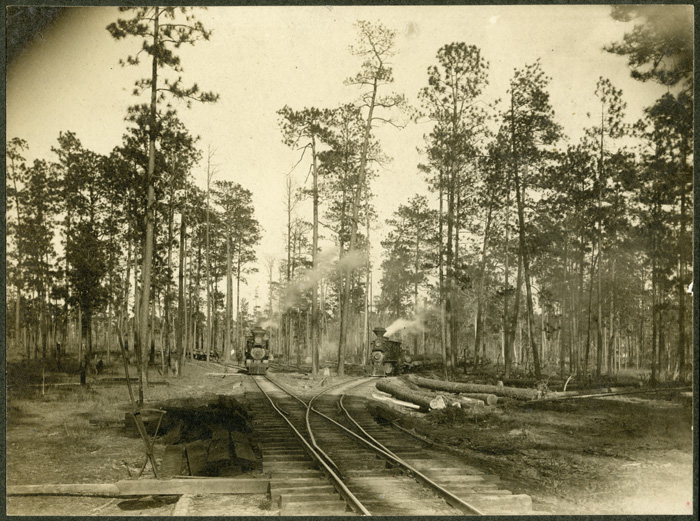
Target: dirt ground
622, 455
614, 456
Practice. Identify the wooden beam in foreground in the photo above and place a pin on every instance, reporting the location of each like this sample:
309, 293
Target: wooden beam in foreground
147, 487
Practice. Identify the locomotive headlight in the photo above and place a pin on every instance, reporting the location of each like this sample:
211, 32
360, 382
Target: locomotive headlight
258, 340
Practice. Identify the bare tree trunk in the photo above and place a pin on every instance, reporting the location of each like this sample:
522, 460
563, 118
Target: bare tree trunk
590, 302
599, 347
368, 292
19, 271
288, 317
208, 280
171, 234
239, 325
181, 325
148, 217
526, 269
682, 242
482, 274
314, 256
441, 280
80, 334
229, 299
353, 229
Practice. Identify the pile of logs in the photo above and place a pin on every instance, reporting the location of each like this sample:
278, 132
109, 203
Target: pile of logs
427, 394
469, 388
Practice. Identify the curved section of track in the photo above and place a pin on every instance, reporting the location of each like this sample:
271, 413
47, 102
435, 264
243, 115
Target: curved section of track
304, 480
326, 455
460, 484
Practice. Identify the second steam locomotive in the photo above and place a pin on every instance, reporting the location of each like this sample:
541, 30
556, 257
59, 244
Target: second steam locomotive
257, 351
387, 356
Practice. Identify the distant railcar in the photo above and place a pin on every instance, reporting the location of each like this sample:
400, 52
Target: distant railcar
387, 356
257, 351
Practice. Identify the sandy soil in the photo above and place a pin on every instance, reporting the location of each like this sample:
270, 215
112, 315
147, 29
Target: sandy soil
624, 455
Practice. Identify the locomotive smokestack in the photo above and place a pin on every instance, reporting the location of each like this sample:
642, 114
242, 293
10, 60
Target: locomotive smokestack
379, 331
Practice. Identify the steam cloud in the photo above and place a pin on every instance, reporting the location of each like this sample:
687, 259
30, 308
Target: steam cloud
411, 326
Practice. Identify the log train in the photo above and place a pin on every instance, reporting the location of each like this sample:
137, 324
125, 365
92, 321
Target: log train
257, 351
387, 356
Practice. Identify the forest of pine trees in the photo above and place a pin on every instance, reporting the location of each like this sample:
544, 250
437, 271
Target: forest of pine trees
528, 251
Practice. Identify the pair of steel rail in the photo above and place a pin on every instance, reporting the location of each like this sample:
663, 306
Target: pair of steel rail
331, 469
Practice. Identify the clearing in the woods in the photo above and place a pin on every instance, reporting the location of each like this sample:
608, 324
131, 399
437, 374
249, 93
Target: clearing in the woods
629, 454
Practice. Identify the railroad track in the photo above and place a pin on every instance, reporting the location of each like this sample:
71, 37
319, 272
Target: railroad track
327, 456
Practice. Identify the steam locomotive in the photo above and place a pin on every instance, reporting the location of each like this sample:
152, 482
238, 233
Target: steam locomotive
257, 351
387, 357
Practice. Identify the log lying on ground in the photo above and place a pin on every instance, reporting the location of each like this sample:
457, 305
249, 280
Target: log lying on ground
602, 391
462, 401
454, 387
426, 401
488, 399
386, 398
384, 412
557, 383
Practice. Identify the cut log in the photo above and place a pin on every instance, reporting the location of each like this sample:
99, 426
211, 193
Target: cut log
488, 399
242, 448
172, 461
219, 449
454, 387
465, 401
385, 397
426, 401
197, 456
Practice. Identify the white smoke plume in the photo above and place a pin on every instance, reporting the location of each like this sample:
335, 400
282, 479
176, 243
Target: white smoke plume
410, 326
328, 264
268, 324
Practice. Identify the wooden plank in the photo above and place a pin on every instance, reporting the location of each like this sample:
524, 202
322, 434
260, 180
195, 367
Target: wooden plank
242, 448
178, 486
172, 461
196, 453
77, 489
219, 448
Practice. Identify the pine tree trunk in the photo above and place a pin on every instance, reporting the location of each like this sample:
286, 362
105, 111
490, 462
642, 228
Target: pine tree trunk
80, 334
507, 339
441, 275
18, 302
181, 325
239, 325
482, 274
229, 299
171, 234
526, 270
342, 342
314, 256
148, 217
682, 242
590, 303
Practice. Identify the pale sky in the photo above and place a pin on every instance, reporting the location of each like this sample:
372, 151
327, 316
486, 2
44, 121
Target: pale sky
262, 58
